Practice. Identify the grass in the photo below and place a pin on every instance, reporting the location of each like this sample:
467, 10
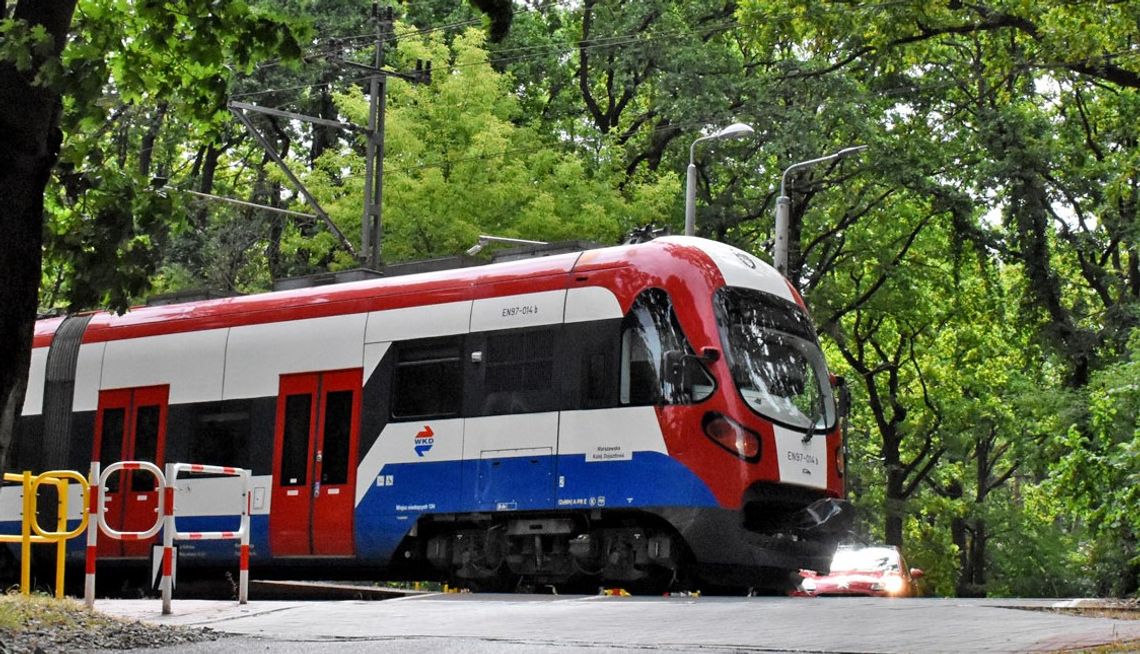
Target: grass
43, 623
19, 613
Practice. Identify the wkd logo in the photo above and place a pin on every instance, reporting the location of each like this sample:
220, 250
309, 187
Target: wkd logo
424, 440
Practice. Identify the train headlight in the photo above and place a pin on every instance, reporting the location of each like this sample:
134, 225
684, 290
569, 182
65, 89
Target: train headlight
807, 585
840, 461
732, 436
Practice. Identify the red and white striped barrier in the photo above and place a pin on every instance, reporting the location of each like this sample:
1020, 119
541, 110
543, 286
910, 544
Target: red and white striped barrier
165, 482
171, 532
97, 507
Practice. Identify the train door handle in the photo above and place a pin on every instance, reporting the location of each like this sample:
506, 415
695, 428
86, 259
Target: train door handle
317, 489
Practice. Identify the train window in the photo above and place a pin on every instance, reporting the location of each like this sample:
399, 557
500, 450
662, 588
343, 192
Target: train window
652, 339
146, 444
775, 359
221, 437
111, 443
596, 377
520, 361
338, 429
295, 440
428, 381
518, 372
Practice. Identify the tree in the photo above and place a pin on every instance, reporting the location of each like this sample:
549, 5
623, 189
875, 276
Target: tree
457, 165
168, 50
35, 34
1097, 471
1025, 117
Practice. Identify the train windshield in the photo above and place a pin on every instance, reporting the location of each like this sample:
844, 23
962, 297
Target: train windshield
776, 363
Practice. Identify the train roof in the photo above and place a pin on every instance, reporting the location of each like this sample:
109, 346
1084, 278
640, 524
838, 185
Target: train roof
733, 266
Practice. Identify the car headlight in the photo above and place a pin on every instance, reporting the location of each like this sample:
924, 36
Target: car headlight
893, 585
808, 585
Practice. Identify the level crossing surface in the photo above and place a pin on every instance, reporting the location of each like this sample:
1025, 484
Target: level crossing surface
505, 624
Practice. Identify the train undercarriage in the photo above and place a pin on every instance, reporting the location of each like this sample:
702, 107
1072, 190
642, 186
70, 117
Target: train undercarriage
641, 552
759, 549
578, 553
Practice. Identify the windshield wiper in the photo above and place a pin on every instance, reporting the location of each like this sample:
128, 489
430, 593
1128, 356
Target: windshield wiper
815, 418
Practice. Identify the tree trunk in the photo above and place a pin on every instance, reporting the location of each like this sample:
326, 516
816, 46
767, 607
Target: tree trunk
971, 537
896, 478
324, 137
205, 181
146, 150
978, 556
29, 147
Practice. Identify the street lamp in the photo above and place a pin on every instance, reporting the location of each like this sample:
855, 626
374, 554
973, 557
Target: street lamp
783, 205
733, 131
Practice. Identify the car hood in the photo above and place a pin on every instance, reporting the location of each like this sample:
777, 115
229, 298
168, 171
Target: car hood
846, 581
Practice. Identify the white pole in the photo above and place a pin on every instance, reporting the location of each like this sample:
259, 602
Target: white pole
243, 570
94, 517
783, 206
733, 131
691, 199
167, 583
780, 250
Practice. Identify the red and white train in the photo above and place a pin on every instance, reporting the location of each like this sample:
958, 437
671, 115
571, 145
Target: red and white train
638, 415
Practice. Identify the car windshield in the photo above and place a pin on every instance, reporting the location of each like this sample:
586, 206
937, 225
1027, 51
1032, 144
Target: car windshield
874, 559
775, 360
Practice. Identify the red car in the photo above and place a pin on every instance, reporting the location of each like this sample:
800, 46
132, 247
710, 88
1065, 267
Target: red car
877, 571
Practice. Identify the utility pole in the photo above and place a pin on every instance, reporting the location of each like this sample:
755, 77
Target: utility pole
371, 224
371, 227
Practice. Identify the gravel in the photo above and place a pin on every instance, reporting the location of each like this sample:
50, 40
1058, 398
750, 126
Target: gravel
44, 625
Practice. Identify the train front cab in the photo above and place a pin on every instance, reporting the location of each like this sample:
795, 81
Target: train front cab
747, 405
700, 446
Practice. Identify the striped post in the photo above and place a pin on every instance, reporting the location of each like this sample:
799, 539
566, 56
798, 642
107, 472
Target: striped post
243, 570
94, 517
168, 538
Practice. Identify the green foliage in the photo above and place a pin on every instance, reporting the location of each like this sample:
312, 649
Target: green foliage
1097, 471
1040, 553
129, 71
457, 165
103, 248
183, 53
1015, 129
28, 47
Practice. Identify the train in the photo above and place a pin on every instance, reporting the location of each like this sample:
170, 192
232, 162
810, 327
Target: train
652, 416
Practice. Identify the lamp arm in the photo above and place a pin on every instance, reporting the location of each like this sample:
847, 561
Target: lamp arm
693, 148
802, 164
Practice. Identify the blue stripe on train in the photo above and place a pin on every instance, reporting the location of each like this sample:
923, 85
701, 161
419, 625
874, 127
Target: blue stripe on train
403, 492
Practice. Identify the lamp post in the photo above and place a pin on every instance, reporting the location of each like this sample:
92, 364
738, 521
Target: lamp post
733, 131
783, 206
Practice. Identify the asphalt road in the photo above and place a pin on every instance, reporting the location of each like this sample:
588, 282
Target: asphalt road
510, 624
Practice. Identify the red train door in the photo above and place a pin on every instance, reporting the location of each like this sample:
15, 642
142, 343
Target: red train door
314, 464
130, 426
